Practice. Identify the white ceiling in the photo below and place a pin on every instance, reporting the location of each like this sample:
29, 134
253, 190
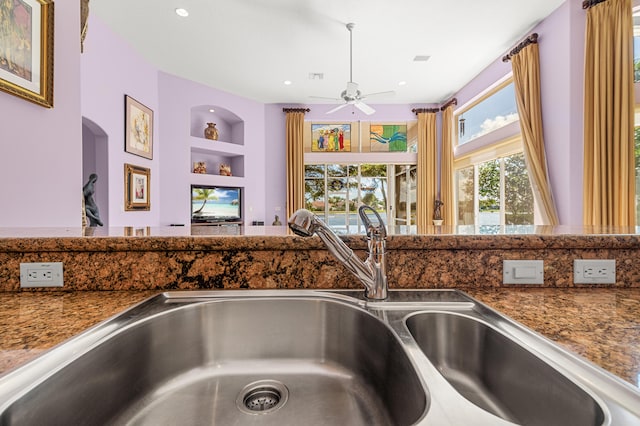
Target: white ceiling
250, 47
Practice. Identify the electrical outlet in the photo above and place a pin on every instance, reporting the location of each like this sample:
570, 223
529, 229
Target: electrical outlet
594, 271
41, 275
523, 272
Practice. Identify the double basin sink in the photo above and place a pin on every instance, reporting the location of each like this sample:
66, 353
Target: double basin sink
284, 357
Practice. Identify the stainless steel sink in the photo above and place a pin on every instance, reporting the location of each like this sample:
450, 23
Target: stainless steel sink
309, 357
267, 361
500, 376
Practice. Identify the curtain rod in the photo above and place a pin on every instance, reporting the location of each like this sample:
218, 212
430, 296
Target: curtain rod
586, 4
452, 101
419, 110
533, 38
295, 110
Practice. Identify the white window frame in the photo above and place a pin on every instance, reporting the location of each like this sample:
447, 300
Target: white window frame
500, 143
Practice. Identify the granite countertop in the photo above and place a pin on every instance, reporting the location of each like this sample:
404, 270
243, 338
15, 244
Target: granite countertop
602, 325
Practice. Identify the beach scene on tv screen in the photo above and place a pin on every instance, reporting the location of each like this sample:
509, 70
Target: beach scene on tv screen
217, 203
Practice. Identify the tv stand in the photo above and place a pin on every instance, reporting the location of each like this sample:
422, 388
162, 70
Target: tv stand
218, 223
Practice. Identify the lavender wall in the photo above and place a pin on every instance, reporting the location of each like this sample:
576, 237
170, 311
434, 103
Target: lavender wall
111, 69
561, 45
43, 146
40, 148
177, 98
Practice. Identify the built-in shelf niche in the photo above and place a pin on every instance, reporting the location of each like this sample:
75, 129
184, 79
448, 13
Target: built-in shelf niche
213, 159
230, 126
227, 149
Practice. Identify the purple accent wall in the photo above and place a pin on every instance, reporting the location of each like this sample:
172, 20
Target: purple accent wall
40, 148
177, 97
111, 69
561, 45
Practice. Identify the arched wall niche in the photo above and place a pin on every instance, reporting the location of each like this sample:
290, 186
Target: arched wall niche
230, 126
95, 159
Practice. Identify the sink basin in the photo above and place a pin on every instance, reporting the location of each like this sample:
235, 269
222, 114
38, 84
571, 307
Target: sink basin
240, 361
499, 375
311, 357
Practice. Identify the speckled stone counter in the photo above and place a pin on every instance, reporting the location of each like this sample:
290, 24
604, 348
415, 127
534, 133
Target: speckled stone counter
168, 258
602, 325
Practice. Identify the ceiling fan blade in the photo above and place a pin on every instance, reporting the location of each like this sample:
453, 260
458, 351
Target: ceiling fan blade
368, 95
339, 107
324, 97
364, 107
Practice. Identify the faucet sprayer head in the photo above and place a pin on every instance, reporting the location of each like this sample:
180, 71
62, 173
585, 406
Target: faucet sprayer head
302, 223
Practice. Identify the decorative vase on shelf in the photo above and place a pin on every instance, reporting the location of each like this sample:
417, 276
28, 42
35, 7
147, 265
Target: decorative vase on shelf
225, 170
210, 132
200, 167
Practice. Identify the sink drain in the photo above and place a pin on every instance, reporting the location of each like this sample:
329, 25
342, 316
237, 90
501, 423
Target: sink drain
262, 397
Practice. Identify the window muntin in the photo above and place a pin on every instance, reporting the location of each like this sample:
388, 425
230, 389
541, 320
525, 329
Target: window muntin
405, 198
491, 113
494, 193
335, 191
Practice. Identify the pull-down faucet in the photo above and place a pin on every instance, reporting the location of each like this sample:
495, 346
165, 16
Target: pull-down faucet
372, 272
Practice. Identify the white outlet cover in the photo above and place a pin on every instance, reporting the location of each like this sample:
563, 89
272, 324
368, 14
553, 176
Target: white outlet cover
57, 278
523, 272
594, 271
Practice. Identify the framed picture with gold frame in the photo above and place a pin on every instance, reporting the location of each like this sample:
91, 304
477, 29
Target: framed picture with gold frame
137, 181
331, 137
138, 133
26, 50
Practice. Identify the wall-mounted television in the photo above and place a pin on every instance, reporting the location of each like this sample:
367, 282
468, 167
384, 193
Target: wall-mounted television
213, 204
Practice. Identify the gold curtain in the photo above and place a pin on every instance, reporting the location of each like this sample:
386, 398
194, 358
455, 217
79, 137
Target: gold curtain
446, 167
295, 161
609, 174
427, 175
526, 78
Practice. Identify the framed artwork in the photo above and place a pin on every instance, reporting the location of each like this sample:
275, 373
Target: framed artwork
26, 50
331, 137
130, 231
136, 188
138, 134
388, 137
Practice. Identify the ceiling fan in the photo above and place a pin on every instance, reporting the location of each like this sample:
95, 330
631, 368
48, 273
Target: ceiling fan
352, 95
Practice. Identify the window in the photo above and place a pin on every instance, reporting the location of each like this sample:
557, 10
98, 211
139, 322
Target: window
495, 192
404, 207
334, 192
492, 186
488, 114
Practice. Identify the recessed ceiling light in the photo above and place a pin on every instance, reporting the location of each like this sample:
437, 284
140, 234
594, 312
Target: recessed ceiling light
182, 12
402, 83
212, 110
287, 82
